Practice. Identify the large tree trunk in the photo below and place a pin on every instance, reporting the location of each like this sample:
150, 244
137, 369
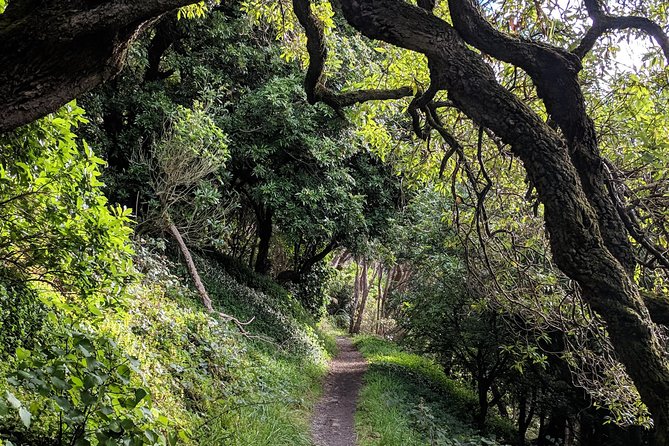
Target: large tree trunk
578, 244
52, 51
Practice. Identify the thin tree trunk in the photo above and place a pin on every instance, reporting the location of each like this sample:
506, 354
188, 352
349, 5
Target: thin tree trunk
379, 296
362, 297
525, 416
497, 396
364, 293
356, 297
191, 266
262, 264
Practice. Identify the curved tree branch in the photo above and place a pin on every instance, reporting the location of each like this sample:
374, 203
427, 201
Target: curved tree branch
603, 23
554, 71
314, 81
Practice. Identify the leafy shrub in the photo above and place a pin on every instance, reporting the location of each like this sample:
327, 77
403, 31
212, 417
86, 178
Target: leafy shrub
61, 231
65, 259
85, 379
21, 315
310, 290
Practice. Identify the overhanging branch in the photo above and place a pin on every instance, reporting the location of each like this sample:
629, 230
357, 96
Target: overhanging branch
54, 52
554, 72
603, 23
315, 79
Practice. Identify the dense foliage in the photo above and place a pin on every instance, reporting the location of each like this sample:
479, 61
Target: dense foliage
290, 168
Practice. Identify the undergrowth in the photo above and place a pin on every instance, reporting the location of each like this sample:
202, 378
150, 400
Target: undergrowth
407, 400
197, 379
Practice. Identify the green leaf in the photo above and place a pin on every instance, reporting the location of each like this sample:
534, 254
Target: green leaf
59, 383
140, 394
25, 416
93, 308
63, 403
22, 353
11, 399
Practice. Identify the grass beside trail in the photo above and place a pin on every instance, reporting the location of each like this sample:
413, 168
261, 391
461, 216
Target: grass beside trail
407, 400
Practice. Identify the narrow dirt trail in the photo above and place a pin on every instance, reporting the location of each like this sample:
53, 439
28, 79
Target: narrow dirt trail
333, 422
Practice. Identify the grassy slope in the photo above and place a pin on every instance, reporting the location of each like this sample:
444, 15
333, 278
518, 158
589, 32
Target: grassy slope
219, 386
208, 382
407, 400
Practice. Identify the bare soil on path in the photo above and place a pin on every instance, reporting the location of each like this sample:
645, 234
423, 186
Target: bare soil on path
333, 422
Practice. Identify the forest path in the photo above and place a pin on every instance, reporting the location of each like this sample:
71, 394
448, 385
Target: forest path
333, 423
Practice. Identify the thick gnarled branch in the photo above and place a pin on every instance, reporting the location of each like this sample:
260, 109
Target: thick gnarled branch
314, 81
578, 246
55, 52
554, 71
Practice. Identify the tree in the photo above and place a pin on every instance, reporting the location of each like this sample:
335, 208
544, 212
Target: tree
182, 163
588, 238
299, 171
561, 155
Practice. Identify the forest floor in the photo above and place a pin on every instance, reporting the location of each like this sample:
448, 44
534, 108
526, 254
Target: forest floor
333, 423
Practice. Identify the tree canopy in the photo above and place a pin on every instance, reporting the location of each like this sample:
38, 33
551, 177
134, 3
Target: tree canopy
495, 156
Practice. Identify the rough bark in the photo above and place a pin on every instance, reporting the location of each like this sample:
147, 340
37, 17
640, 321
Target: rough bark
555, 73
53, 51
577, 230
199, 286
